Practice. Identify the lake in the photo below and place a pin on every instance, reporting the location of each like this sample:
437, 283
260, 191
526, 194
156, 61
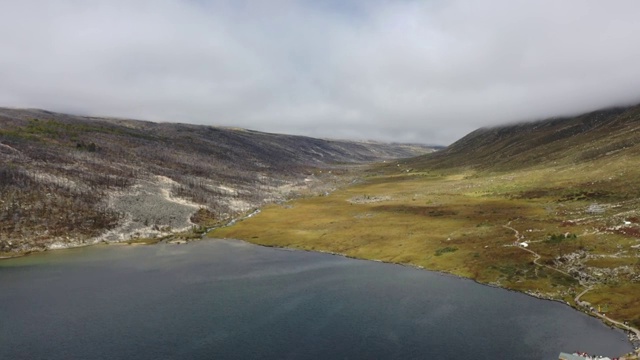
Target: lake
224, 299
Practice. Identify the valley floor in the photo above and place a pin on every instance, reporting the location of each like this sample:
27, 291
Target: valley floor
550, 232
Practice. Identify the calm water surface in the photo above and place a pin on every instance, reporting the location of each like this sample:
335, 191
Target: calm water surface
232, 300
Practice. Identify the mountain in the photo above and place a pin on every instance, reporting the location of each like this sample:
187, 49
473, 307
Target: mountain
68, 180
569, 140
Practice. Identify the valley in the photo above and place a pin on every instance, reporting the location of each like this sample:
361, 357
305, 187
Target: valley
548, 208
516, 207
69, 180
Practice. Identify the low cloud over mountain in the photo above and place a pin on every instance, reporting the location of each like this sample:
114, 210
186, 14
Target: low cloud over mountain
388, 70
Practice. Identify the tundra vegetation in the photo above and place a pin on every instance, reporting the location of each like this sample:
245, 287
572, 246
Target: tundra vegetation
71, 180
550, 208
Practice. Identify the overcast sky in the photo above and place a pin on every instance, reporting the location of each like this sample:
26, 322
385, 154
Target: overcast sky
412, 71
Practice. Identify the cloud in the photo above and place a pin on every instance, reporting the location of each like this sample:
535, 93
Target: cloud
421, 71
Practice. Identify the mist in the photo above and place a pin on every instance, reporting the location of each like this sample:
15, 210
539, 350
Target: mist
402, 71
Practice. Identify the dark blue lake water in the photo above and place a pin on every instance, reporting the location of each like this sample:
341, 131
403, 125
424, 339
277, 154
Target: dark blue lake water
232, 300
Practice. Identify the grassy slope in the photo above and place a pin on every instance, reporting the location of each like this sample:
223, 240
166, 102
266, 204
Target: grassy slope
454, 211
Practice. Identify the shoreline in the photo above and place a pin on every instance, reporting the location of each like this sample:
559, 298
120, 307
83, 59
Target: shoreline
132, 242
603, 320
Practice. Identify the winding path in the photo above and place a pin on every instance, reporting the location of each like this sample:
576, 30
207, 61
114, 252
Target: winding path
577, 298
605, 317
536, 256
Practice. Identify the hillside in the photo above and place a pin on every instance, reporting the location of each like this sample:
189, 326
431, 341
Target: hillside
566, 141
550, 208
68, 180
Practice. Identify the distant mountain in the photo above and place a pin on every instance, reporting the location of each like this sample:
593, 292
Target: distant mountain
67, 180
567, 140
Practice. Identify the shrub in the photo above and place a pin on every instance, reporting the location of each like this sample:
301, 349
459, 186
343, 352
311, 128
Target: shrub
445, 250
558, 238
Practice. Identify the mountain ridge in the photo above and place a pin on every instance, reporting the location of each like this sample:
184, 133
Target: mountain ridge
69, 179
527, 144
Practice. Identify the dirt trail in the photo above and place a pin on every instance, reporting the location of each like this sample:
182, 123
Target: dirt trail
577, 298
605, 317
536, 256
